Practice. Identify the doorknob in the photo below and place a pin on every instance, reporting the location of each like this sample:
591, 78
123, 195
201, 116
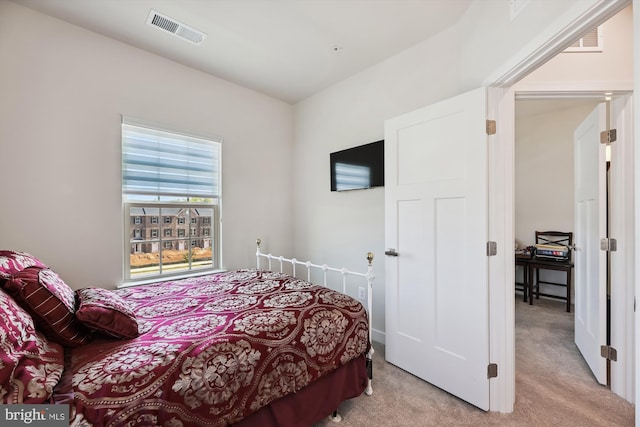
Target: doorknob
391, 252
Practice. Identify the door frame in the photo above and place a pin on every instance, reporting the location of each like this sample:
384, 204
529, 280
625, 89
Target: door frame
623, 264
501, 105
622, 315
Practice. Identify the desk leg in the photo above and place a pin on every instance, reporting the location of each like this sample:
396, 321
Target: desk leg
569, 291
530, 283
525, 282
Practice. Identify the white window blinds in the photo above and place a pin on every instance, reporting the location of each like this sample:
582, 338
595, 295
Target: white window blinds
159, 163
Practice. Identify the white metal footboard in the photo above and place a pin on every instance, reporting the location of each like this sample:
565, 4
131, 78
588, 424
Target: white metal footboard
344, 272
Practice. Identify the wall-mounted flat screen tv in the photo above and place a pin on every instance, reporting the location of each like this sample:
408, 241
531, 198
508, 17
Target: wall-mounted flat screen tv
358, 167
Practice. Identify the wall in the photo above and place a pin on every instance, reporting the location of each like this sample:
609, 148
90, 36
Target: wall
494, 43
545, 141
553, 131
63, 92
342, 227
613, 66
544, 187
544, 177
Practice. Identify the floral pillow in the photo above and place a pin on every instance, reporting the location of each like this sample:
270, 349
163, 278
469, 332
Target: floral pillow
105, 311
51, 303
12, 262
30, 365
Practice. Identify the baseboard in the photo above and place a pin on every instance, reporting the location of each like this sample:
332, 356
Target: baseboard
378, 336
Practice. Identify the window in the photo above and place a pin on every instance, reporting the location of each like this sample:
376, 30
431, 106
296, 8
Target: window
137, 220
168, 175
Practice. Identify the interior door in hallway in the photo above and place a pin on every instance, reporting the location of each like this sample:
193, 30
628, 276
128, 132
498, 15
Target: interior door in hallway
436, 287
590, 228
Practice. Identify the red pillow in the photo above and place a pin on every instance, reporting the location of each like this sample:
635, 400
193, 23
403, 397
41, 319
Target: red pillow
105, 311
51, 303
30, 366
12, 262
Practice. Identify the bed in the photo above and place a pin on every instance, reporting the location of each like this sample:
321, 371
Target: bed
251, 347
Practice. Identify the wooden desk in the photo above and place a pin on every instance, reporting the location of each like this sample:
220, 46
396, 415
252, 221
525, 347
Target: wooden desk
566, 266
532, 265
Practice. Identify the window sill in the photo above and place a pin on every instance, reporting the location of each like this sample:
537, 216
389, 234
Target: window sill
167, 278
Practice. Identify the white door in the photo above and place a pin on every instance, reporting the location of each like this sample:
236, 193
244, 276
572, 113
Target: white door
590, 227
622, 262
437, 317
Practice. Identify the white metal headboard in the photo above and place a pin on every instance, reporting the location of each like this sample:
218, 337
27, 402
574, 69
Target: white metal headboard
369, 276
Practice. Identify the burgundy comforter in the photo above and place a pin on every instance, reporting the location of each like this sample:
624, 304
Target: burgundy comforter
213, 350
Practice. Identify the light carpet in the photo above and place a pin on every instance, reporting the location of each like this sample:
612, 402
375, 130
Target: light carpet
554, 386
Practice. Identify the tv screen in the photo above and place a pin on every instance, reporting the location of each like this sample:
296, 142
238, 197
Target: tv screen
358, 167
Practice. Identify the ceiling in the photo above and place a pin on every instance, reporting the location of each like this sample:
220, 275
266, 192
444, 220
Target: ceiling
525, 108
288, 49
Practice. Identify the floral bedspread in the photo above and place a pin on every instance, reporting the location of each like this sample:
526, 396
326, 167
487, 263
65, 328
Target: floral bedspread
214, 349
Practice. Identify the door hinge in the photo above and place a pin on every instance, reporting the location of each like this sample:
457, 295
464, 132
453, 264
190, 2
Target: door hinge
608, 244
491, 127
608, 136
492, 370
609, 353
492, 248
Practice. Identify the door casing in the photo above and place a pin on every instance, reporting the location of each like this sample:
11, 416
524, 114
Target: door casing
501, 195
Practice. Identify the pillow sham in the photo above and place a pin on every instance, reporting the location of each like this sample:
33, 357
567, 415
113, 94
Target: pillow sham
51, 303
30, 365
12, 262
105, 311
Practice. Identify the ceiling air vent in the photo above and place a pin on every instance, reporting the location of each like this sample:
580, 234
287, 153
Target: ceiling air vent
176, 28
590, 42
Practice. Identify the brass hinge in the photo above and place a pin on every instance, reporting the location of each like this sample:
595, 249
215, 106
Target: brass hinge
608, 136
607, 244
609, 353
492, 248
491, 127
492, 370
